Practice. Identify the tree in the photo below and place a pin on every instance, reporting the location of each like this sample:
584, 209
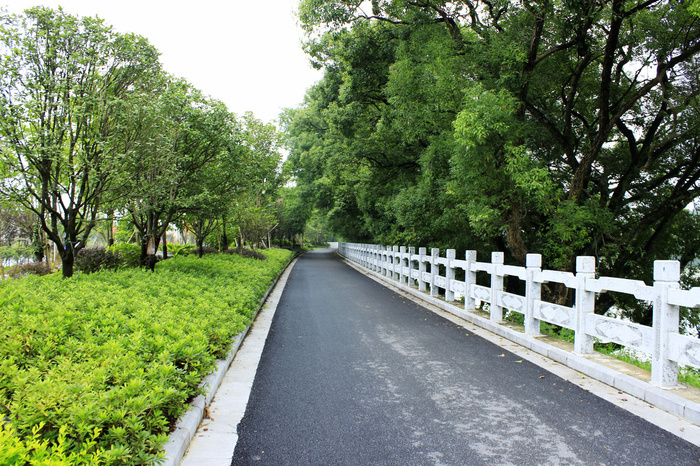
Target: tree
565, 128
64, 83
184, 133
254, 205
291, 214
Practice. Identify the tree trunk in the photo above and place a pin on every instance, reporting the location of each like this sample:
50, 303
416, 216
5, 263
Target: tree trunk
110, 233
165, 246
514, 236
144, 250
200, 239
224, 236
38, 244
200, 246
67, 262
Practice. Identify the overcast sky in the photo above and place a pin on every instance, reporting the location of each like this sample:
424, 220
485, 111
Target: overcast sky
244, 53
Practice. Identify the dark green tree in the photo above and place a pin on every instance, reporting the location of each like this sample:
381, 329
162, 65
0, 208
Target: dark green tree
64, 82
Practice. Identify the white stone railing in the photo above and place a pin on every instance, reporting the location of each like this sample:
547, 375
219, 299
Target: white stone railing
667, 347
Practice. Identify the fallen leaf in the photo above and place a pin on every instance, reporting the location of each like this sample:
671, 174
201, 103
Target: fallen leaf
502, 356
542, 377
519, 361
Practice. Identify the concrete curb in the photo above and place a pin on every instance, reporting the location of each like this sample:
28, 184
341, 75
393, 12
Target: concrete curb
656, 396
187, 425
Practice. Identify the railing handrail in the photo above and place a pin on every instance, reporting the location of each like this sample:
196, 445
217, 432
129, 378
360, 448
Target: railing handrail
662, 340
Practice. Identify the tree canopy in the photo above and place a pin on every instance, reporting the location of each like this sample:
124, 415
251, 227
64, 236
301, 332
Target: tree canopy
563, 128
91, 128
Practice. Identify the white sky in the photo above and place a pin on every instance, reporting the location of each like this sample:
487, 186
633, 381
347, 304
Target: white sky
245, 53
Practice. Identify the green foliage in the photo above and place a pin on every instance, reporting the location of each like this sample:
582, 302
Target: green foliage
31, 268
15, 451
180, 249
67, 92
130, 253
103, 364
92, 260
560, 128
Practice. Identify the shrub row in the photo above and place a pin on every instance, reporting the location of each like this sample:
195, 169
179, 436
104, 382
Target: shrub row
95, 369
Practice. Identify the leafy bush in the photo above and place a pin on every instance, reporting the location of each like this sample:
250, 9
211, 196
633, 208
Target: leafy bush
208, 250
32, 268
175, 249
130, 253
100, 366
90, 260
7, 253
245, 252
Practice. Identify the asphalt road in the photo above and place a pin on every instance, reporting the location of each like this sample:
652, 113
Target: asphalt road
355, 374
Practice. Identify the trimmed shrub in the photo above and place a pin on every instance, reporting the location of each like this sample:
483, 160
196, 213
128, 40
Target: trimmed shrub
32, 268
91, 260
95, 369
130, 253
246, 253
175, 249
207, 250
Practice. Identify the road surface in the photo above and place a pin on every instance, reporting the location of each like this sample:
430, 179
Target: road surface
355, 374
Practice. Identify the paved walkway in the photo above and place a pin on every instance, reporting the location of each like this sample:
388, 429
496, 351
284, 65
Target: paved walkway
352, 373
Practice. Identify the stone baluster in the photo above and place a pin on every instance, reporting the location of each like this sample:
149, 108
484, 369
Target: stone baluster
497, 260
450, 275
421, 267
402, 257
533, 292
667, 275
469, 280
434, 270
585, 304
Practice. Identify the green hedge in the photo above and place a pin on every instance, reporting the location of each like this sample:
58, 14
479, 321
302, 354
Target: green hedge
96, 369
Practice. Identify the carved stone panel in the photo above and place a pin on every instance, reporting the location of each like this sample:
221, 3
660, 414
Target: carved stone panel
441, 282
482, 293
684, 350
619, 331
458, 287
555, 314
512, 301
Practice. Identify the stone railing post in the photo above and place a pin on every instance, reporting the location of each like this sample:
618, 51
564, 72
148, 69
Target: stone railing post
434, 270
411, 268
497, 260
469, 280
450, 275
421, 268
667, 275
388, 261
585, 304
396, 260
533, 292
402, 277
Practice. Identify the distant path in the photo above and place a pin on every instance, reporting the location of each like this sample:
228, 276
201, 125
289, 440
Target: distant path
354, 374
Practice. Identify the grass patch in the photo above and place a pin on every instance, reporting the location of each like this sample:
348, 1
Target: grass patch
97, 368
